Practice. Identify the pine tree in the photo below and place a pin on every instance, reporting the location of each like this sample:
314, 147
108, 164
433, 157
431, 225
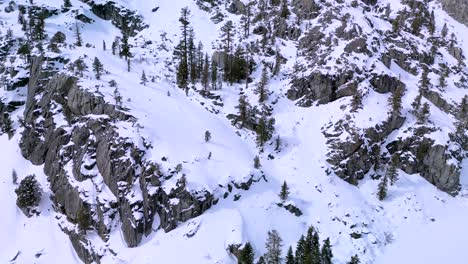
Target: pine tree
423, 114
125, 48
83, 219
191, 51
382, 188
261, 260
424, 82
354, 260
98, 68
79, 40
207, 136
300, 250
273, 247
262, 132
14, 177
244, 110
80, 66
104, 45
182, 51
416, 104
262, 90
290, 257
227, 36
205, 78
257, 164
277, 67
28, 193
246, 255
315, 250
444, 31
246, 20
392, 172
115, 44
432, 25
277, 143
284, 193
214, 75
67, 3
284, 12
356, 100
326, 253
395, 101
442, 78
143, 78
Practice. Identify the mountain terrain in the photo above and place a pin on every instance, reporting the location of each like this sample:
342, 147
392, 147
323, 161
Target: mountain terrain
234, 131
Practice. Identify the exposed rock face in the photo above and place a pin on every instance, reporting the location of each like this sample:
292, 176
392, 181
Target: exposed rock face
434, 162
77, 148
458, 9
352, 157
122, 18
317, 86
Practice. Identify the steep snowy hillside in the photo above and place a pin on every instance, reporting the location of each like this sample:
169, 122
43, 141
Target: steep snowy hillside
168, 130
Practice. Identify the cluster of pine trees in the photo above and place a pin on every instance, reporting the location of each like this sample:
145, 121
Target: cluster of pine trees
308, 251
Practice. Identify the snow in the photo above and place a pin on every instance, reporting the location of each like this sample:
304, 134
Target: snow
174, 124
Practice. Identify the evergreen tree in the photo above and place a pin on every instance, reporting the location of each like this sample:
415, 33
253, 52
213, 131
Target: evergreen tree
246, 255
416, 104
83, 219
191, 51
214, 75
354, 260
257, 164
143, 78
182, 51
424, 82
104, 45
262, 132
423, 114
227, 36
326, 253
125, 48
382, 188
277, 67
244, 110
392, 172
301, 250
205, 78
262, 89
80, 66
14, 177
432, 23
28, 193
79, 40
315, 250
246, 20
290, 257
115, 44
273, 247
67, 3
39, 26
98, 68
284, 193
444, 31
443, 76
261, 260
395, 102
356, 100
284, 12
207, 136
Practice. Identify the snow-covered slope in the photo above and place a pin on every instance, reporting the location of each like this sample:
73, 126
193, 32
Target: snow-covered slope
417, 222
